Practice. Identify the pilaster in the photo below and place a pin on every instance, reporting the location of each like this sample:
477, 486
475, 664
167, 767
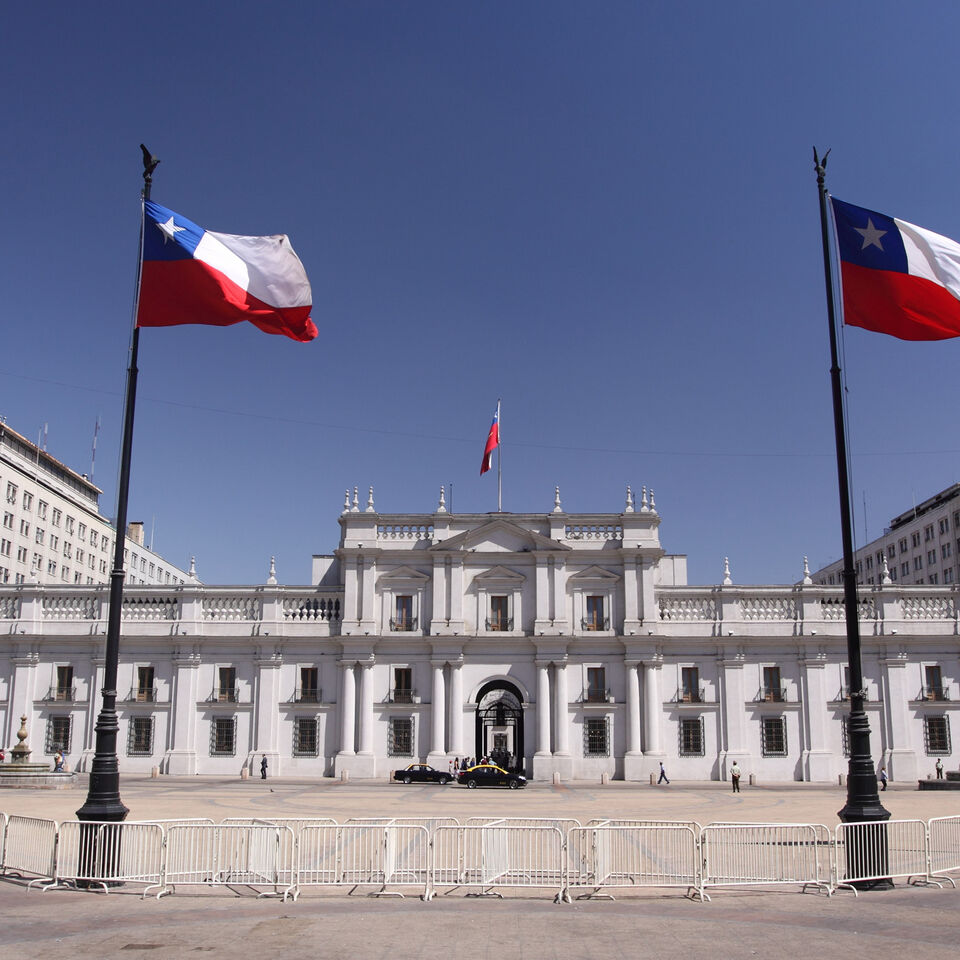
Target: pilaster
181, 758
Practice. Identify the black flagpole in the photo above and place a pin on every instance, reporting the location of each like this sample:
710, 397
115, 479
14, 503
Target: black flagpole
103, 795
863, 801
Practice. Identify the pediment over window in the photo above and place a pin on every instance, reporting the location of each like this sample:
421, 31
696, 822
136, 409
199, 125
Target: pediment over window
499, 576
403, 575
593, 575
499, 536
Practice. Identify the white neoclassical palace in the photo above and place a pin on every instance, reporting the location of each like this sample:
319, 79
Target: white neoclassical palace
558, 642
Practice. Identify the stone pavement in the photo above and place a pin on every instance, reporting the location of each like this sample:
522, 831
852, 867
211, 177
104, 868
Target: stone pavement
741, 923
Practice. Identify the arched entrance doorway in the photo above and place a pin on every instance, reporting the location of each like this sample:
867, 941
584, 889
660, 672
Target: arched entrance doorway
500, 724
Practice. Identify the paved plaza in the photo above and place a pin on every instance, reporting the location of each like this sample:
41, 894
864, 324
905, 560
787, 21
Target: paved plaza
228, 923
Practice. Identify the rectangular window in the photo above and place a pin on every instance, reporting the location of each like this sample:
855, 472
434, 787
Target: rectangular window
936, 736
400, 737
4, 575
11, 493
22, 554
773, 737
223, 737
915, 538
869, 563
64, 688
24, 528
945, 551
928, 532
402, 685
595, 619
934, 577
945, 525
8, 520
309, 691
690, 685
691, 737
81, 530
39, 535
5, 546
42, 509
931, 557
891, 551
69, 525
596, 685
772, 690
596, 739
948, 575
918, 563
56, 517
903, 544
904, 569
140, 737
227, 684
933, 683
58, 734
499, 614
27, 500
306, 743
145, 691
403, 613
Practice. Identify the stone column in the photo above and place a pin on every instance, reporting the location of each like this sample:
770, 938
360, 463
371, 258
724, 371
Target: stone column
437, 754
22, 694
366, 708
562, 731
181, 758
652, 710
347, 708
633, 758
456, 708
543, 708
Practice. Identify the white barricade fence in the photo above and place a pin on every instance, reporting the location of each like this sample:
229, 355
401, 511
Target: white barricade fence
106, 853
431, 823
606, 822
944, 846
752, 854
296, 824
604, 855
255, 855
31, 848
362, 854
880, 850
3, 838
563, 824
499, 855
179, 822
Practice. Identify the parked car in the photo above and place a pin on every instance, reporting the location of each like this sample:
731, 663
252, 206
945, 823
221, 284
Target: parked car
490, 775
422, 773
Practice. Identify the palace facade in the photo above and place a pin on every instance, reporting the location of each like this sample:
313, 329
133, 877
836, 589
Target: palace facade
560, 643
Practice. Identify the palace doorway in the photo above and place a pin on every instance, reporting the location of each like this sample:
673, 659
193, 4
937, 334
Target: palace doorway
500, 725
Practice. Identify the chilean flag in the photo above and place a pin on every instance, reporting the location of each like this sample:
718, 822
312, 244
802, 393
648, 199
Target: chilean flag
192, 275
897, 278
493, 441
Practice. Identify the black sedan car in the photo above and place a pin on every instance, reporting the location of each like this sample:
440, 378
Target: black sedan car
421, 773
490, 775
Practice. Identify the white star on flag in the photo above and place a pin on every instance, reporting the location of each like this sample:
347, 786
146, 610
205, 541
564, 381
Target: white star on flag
871, 235
169, 230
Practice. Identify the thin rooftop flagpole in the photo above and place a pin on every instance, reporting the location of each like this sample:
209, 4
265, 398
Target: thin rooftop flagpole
499, 473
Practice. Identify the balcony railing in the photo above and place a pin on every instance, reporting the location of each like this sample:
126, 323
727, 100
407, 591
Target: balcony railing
595, 624
686, 695
939, 693
225, 695
843, 694
62, 694
402, 695
499, 624
307, 695
403, 624
141, 695
596, 695
771, 695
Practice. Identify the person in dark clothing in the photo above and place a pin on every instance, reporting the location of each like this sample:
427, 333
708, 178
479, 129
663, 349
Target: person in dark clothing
263, 768
663, 775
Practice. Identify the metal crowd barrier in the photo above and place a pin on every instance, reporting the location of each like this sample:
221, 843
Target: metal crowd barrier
752, 854
563, 824
943, 839
255, 855
30, 849
880, 850
603, 856
606, 822
431, 823
362, 854
3, 839
106, 854
492, 856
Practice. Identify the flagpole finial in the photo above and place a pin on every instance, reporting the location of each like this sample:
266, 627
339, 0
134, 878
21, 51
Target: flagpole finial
442, 505
629, 507
557, 508
149, 165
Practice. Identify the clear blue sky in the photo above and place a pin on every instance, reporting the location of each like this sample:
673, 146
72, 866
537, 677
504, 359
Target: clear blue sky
605, 214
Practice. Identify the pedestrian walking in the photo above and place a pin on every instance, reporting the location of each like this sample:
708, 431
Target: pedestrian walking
263, 767
883, 779
663, 775
735, 776
939, 766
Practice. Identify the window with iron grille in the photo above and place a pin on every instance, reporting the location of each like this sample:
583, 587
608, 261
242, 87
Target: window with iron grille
936, 736
305, 740
773, 737
400, 737
58, 734
691, 737
223, 737
140, 737
596, 739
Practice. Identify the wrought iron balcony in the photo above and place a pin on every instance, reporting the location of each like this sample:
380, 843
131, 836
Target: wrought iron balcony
686, 695
62, 694
403, 624
771, 695
225, 695
843, 694
141, 695
597, 695
402, 695
307, 695
500, 624
937, 692
595, 624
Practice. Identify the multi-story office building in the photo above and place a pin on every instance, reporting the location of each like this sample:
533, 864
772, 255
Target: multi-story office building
560, 643
52, 530
921, 546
